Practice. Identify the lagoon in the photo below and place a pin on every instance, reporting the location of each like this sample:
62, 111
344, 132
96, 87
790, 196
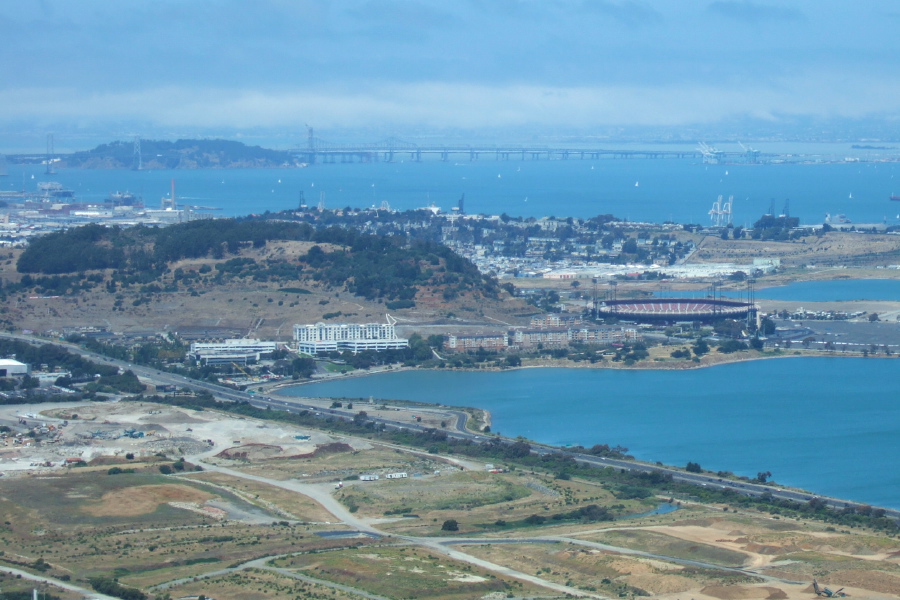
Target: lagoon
829, 425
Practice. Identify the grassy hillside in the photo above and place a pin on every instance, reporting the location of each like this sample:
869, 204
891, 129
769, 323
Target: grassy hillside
240, 274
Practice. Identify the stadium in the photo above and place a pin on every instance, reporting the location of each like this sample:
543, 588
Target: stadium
670, 310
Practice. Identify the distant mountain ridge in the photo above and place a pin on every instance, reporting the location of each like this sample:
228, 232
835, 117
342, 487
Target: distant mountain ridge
180, 154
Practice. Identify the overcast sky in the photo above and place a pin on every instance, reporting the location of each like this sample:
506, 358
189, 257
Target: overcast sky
110, 66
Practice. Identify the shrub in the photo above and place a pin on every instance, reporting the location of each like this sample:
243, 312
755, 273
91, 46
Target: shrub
450, 525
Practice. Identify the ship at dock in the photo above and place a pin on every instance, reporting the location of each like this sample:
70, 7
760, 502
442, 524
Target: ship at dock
124, 199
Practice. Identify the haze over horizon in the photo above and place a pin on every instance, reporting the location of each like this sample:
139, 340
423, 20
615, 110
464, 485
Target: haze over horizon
605, 69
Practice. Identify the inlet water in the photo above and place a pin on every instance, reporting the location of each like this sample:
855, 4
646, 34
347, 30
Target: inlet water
829, 425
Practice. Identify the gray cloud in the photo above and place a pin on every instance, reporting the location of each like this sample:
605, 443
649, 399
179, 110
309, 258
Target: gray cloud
412, 63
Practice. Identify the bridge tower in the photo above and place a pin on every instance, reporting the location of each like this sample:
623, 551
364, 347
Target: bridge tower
311, 144
137, 162
50, 153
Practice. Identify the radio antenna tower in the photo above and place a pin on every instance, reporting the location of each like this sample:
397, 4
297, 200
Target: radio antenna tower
321, 201
137, 162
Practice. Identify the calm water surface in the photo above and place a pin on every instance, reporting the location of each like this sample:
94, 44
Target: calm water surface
830, 425
639, 190
831, 291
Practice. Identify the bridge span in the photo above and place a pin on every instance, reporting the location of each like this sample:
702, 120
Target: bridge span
390, 153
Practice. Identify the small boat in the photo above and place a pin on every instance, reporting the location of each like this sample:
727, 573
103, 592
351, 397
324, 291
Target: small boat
895, 198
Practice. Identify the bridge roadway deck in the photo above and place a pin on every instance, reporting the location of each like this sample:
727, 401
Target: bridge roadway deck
473, 153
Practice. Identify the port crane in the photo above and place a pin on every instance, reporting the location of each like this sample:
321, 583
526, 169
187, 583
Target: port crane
751, 153
827, 593
711, 154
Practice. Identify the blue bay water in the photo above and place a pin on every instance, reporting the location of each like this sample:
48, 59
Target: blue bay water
830, 425
680, 190
834, 291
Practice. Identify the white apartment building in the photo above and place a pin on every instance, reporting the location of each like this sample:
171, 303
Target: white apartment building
356, 337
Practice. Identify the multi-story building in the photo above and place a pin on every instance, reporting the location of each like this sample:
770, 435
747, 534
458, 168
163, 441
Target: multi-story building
239, 351
471, 343
563, 336
554, 320
356, 337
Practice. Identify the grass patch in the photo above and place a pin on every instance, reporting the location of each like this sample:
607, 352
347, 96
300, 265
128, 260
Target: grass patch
666, 545
402, 573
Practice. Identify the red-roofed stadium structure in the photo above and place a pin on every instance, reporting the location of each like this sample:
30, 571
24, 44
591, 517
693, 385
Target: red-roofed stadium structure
675, 309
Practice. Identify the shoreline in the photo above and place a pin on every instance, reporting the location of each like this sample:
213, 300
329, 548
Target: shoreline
811, 491
683, 365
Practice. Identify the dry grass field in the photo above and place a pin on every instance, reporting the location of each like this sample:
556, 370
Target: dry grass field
271, 527
832, 248
403, 572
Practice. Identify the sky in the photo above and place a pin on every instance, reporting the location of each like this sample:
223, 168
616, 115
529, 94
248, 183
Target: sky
174, 68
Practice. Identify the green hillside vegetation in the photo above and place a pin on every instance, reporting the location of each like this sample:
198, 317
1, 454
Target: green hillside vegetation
375, 267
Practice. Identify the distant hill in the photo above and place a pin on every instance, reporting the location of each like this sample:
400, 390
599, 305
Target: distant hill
181, 154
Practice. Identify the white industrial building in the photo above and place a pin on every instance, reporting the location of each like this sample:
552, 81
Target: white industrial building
356, 337
240, 351
13, 368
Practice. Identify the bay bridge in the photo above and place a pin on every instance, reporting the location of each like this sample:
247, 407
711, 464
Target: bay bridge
395, 149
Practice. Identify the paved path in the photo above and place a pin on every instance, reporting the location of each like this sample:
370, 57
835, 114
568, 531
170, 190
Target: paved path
322, 493
57, 583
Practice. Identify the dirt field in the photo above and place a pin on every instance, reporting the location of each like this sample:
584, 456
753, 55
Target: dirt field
214, 533
832, 248
142, 500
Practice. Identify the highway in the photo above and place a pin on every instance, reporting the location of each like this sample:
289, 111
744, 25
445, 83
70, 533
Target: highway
293, 404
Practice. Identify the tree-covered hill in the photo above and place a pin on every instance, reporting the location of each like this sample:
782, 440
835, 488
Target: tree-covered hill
388, 268
181, 154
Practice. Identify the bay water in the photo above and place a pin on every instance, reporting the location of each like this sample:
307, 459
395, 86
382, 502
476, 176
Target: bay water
680, 190
829, 425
